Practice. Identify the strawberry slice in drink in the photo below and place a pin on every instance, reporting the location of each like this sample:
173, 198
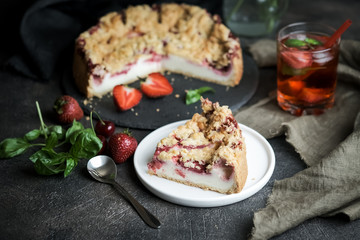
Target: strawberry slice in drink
297, 59
295, 86
312, 96
291, 87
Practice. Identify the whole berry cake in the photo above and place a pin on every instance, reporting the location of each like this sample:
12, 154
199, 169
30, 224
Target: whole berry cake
136, 41
208, 152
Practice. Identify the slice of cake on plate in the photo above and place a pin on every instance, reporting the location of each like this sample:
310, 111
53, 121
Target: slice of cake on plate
142, 39
208, 152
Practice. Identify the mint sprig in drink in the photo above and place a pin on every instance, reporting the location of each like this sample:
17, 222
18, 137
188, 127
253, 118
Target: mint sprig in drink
306, 73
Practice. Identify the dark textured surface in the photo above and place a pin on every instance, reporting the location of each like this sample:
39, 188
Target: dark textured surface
36, 207
153, 113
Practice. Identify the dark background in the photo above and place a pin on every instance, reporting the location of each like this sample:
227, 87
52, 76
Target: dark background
37, 207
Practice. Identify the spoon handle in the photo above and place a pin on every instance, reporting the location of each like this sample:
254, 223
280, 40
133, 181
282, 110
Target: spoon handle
148, 218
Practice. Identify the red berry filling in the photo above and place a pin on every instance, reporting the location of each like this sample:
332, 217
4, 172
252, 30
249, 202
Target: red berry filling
93, 29
227, 169
155, 164
179, 172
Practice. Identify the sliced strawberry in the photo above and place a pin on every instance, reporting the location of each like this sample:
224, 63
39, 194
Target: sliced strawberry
156, 85
312, 96
295, 86
126, 97
297, 59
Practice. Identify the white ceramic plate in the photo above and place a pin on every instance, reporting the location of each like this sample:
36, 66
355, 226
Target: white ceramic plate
261, 164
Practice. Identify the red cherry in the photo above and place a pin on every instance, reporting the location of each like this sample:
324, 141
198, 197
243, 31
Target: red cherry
105, 128
104, 144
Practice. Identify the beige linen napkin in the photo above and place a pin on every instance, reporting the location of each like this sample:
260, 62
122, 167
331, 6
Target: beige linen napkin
329, 144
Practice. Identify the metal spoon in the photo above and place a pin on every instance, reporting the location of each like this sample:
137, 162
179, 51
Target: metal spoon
103, 169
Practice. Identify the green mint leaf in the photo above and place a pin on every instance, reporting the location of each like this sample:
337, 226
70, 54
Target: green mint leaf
12, 147
313, 42
71, 163
294, 43
205, 89
286, 70
32, 135
194, 95
86, 144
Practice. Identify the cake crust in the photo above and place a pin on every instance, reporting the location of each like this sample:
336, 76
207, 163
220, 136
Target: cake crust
121, 39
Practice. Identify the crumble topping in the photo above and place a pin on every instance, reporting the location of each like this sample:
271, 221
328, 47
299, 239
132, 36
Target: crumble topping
207, 138
169, 141
190, 127
168, 156
203, 155
185, 30
195, 139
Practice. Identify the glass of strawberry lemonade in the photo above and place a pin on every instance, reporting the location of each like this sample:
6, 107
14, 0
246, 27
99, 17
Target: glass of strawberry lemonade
306, 68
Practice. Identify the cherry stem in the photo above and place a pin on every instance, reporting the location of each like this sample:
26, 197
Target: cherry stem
338, 33
102, 122
91, 122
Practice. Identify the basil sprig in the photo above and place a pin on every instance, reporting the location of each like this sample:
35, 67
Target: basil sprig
74, 144
194, 95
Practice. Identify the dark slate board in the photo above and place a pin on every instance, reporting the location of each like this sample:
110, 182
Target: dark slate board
154, 113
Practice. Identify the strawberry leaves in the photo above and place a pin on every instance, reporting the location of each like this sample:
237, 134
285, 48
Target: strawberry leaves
76, 143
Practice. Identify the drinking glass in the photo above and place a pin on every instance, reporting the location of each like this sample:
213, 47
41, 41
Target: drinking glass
253, 18
306, 68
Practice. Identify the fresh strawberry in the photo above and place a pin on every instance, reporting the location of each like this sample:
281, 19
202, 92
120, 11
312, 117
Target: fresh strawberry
126, 97
156, 85
122, 146
67, 109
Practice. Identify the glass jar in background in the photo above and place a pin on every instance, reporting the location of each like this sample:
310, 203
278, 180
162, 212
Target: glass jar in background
253, 18
306, 68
